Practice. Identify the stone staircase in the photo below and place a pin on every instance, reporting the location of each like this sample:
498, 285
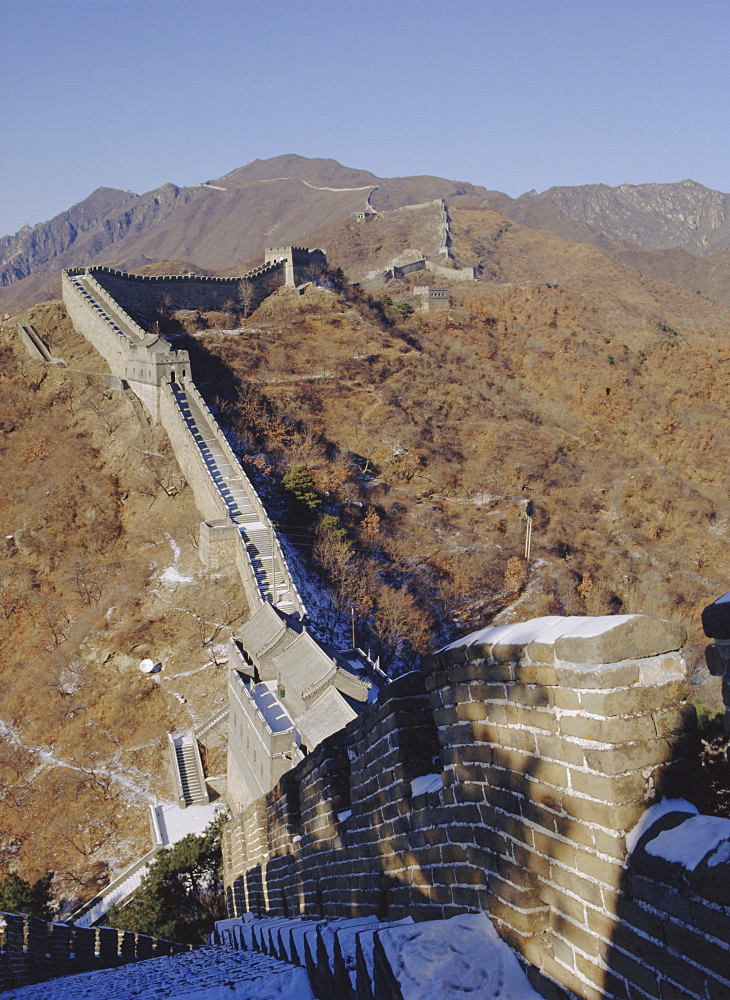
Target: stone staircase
188, 770
258, 536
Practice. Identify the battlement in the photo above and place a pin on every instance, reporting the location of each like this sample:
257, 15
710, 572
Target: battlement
512, 777
33, 951
299, 261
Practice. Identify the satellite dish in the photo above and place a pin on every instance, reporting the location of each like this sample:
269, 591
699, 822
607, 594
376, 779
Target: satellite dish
147, 666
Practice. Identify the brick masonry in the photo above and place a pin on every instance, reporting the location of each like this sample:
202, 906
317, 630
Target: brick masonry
546, 764
32, 950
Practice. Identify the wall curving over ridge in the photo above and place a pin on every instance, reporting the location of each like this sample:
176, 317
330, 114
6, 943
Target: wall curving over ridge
236, 531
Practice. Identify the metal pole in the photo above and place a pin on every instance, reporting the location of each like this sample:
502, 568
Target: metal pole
352, 612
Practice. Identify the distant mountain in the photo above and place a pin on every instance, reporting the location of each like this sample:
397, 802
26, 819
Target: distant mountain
677, 232
686, 215
212, 225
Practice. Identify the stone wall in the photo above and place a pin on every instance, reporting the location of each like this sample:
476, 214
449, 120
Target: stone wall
90, 324
32, 950
147, 294
536, 752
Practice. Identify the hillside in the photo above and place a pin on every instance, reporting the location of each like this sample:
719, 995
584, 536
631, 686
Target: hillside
566, 382
98, 570
210, 226
562, 385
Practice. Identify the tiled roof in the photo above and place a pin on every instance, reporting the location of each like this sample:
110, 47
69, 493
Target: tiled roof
262, 631
329, 713
303, 666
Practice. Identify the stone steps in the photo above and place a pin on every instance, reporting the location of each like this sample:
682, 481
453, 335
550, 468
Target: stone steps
257, 536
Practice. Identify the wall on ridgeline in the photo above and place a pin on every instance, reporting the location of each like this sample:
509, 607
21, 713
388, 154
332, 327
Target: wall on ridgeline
544, 748
32, 950
114, 348
208, 499
151, 368
147, 294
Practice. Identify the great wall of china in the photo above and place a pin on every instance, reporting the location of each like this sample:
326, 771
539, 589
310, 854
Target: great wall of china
542, 773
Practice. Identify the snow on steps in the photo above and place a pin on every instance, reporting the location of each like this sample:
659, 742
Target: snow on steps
366, 959
208, 973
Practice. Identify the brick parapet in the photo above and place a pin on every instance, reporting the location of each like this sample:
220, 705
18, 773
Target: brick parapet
34, 950
546, 764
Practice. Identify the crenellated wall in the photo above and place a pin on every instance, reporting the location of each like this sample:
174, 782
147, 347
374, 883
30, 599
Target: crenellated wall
506, 779
32, 950
97, 300
147, 294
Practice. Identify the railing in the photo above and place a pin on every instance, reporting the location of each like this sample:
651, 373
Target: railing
210, 724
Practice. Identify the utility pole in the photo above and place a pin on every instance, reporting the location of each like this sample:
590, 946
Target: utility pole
528, 534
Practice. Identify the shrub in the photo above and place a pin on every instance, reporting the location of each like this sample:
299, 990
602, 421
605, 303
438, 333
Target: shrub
19, 896
298, 481
181, 896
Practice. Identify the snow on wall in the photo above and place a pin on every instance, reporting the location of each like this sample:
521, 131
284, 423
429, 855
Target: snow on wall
547, 764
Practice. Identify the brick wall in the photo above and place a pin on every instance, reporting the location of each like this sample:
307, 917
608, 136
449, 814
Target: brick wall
146, 294
550, 744
32, 950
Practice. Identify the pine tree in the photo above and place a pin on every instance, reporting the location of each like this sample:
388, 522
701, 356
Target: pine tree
19, 896
181, 896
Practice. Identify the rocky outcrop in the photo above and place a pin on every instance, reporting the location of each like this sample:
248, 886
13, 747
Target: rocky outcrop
652, 216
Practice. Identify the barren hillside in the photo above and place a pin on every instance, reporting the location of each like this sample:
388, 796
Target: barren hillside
98, 570
562, 382
562, 385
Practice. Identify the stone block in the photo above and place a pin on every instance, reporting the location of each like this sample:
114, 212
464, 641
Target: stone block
616, 731
619, 789
542, 674
716, 618
632, 757
632, 700
570, 981
632, 637
594, 677
472, 711
556, 747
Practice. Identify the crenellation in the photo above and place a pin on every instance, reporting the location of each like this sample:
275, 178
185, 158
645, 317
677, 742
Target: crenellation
530, 823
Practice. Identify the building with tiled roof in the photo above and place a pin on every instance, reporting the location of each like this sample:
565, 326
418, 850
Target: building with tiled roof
288, 691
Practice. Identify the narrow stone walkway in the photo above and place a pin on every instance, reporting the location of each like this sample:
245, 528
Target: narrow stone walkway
208, 973
257, 535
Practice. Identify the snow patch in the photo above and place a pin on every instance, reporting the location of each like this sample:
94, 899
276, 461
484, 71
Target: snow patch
546, 630
690, 842
172, 574
426, 783
445, 959
654, 813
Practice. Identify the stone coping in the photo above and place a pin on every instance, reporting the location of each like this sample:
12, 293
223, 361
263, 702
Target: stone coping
590, 640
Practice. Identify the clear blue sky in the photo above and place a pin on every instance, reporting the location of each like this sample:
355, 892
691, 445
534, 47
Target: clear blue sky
511, 94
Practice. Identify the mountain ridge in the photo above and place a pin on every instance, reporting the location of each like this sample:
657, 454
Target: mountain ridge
679, 232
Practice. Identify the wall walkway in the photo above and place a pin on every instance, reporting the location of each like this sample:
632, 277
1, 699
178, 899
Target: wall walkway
237, 532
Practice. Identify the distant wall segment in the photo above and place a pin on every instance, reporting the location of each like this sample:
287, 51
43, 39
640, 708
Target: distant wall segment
100, 302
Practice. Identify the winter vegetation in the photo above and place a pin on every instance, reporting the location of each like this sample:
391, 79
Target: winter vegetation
400, 454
